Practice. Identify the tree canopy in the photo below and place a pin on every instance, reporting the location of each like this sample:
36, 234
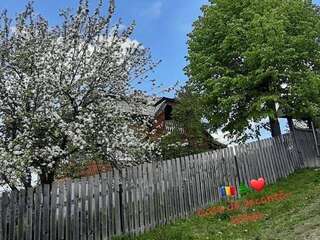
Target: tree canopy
67, 93
249, 57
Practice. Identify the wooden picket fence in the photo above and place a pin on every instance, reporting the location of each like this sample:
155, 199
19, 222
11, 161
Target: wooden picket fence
140, 198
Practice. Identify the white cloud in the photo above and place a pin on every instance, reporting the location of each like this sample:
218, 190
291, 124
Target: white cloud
154, 10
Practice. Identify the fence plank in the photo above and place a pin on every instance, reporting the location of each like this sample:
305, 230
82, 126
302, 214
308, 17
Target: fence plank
4, 214
224, 168
166, 201
68, 192
12, 215
141, 199
76, 223
117, 202
1, 220
189, 185
156, 195
265, 169
252, 158
37, 215
197, 181
274, 160
185, 187
174, 189
227, 156
179, 193
267, 149
129, 209
124, 200
45, 211
90, 226
61, 212
104, 207
53, 210
21, 214
277, 143
29, 214
83, 200
151, 195
148, 195
135, 198
285, 157
146, 207
201, 179
207, 179
288, 156
215, 175
169, 191
110, 197
257, 162
280, 157
96, 215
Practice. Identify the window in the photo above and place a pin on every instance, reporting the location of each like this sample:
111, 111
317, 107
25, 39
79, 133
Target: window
168, 112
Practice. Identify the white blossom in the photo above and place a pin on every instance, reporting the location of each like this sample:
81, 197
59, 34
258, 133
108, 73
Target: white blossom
68, 91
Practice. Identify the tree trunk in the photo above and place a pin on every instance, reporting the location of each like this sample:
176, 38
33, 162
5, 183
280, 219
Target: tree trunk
6, 180
293, 134
309, 123
27, 179
275, 127
47, 178
274, 122
290, 124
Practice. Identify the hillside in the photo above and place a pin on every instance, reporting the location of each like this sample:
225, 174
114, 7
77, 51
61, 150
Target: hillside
295, 215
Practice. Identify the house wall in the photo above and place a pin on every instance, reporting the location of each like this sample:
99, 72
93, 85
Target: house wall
159, 122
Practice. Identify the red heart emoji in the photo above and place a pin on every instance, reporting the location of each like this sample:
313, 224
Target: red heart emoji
257, 185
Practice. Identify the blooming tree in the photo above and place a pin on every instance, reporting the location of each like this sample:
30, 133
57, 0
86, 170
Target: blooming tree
67, 93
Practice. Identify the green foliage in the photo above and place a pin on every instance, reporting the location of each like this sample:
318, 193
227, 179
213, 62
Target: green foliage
245, 56
174, 145
188, 113
190, 136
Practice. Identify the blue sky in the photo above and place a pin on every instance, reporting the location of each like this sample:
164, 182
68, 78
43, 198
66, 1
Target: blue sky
162, 26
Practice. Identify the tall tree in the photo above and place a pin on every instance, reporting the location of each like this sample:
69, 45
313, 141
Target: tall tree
190, 134
248, 58
67, 93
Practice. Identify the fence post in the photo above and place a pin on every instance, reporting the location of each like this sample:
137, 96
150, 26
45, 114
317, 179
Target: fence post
121, 207
293, 134
315, 138
237, 167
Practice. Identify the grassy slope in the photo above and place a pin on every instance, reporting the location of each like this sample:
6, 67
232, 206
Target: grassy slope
298, 217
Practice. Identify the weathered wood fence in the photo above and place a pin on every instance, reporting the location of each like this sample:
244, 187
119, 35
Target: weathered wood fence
136, 199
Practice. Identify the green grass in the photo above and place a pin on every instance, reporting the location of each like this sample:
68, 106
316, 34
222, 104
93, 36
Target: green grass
297, 217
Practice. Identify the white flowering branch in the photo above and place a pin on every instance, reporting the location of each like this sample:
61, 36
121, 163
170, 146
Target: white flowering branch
66, 93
